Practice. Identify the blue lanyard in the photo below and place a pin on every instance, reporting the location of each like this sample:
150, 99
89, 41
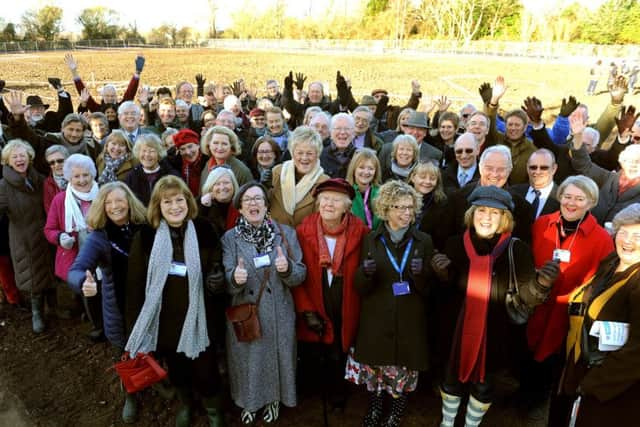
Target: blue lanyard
405, 256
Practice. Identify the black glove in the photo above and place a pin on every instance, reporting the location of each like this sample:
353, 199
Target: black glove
314, 322
416, 266
55, 82
369, 266
548, 273
533, 107
139, 63
265, 177
382, 107
342, 88
288, 81
236, 88
569, 106
486, 92
215, 281
2, 83
300, 79
200, 83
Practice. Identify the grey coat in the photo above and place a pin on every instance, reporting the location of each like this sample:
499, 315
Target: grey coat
263, 371
30, 251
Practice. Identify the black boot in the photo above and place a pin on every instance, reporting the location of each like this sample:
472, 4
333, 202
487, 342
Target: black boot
37, 319
183, 416
398, 406
374, 413
213, 406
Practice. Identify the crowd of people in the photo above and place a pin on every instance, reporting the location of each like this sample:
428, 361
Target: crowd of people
377, 242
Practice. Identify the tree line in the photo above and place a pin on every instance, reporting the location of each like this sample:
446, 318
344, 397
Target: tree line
614, 22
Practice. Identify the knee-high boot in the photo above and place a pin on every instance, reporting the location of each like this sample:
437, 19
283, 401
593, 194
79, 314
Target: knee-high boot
37, 319
183, 417
374, 413
398, 406
475, 412
450, 405
213, 406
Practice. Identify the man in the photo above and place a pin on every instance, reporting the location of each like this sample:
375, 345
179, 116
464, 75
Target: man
387, 115
465, 169
184, 91
335, 158
478, 124
364, 136
541, 190
322, 124
495, 167
277, 128
129, 117
465, 113
273, 93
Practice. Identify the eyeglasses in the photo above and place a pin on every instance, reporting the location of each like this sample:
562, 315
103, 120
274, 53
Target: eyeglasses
402, 208
265, 151
256, 199
55, 161
539, 167
464, 150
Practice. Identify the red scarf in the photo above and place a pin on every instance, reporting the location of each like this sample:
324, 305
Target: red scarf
339, 233
191, 173
212, 163
473, 345
625, 183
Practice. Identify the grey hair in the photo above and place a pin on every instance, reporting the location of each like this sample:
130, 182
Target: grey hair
544, 151
465, 106
595, 133
627, 216
326, 116
108, 86
78, 161
363, 108
57, 148
182, 104
345, 116
126, 105
215, 175
499, 149
305, 134
150, 140
584, 183
630, 151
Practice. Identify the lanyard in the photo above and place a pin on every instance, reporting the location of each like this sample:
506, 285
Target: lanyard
119, 249
405, 256
367, 211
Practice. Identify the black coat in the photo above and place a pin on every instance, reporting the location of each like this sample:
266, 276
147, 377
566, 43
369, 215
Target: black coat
139, 184
550, 205
450, 177
393, 329
330, 163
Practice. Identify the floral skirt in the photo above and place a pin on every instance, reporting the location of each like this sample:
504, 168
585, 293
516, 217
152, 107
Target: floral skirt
395, 380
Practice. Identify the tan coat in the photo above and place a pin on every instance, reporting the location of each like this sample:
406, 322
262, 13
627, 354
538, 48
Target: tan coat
303, 209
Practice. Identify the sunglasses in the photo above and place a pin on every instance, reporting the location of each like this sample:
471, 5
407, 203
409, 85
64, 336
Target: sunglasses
541, 167
55, 161
464, 150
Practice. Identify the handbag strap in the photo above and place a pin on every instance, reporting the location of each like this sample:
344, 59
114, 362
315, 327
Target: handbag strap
513, 279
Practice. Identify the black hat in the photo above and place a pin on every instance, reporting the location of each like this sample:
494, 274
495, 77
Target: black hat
339, 185
491, 196
237, 198
36, 101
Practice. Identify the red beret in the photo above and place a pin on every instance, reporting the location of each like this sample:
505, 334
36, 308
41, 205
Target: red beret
185, 136
256, 112
339, 185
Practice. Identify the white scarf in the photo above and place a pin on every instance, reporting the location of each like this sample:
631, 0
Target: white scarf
194, 338
293, 193
73, 218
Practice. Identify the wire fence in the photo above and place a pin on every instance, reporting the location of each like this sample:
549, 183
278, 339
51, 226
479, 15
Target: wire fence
548, 50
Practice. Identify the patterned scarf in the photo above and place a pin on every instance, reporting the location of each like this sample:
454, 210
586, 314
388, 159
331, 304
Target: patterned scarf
473, 345
194, 337
261, 237
111, 167
340, 235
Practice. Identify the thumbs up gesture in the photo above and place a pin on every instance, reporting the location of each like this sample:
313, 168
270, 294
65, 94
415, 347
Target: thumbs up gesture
240, 273
281, 262
89, 286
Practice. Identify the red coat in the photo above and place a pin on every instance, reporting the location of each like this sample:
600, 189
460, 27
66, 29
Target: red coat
52, 230
49, 191
549, 323
308, 296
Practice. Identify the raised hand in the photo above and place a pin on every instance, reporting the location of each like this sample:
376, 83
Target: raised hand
143, 95
382, 106
618, 90
200, 80
139, 61
499, 89
548, 273
219, 92
89, 286
568, 106
16, 107
84, 96
240, 273
577, 125
533, 107
281, 262
236, 87
2, 83
415, 87
625, 120
55, 82
300, 79
443, 103
71, 63
428, 104
288, 81
485, 91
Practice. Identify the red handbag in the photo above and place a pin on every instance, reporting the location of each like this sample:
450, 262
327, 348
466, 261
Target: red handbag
140, 372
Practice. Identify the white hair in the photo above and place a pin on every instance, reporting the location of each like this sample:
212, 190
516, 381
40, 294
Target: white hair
78, 161
499, 149
345, 116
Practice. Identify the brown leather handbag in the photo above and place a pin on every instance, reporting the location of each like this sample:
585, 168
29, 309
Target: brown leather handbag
244, 317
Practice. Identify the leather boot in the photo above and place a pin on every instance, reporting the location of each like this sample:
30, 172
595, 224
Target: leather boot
37, 319
183, 417
130, 409
450, 405
475, 412
213, 406
374, 413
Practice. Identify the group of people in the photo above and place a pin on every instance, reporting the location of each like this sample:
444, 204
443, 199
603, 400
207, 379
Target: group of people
376, 241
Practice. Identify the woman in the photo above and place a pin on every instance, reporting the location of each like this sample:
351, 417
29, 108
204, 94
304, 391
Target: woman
477, 265
55, 182
21, 200
260, 252
217, 199
392, 281
114, 216
115, 162
167, 309
573, 235
427, 180
602, 371
404, 155
447, 126
151, 154
223, 147
291, 198
265, 154
364, 174
326, 303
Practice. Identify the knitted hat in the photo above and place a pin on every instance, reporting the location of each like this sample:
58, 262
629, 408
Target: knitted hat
492, 197
185, 136
256, 112
338, 185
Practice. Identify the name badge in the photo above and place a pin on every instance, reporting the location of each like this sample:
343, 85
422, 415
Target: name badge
178, 269
262, 261
561, 255
401, 288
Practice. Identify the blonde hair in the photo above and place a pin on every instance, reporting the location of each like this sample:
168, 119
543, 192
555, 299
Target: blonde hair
363, 155
97, 216
407, 111
12, 145
165, 187
118, 136
389, 193
405, 139
152, 141
220, 130
428, 168
506, 220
